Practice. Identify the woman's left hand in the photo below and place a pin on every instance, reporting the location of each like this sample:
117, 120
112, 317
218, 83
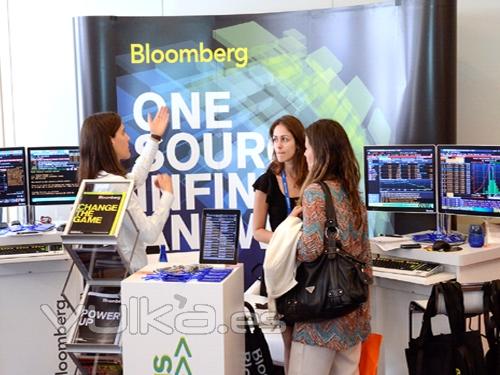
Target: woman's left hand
158, 125
296, 212
163, 182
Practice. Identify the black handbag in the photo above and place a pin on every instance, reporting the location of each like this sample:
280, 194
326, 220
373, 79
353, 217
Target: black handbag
458, 352
331, 286
491, 305
258, 360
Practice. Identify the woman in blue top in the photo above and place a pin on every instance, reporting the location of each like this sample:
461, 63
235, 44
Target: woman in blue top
277, 190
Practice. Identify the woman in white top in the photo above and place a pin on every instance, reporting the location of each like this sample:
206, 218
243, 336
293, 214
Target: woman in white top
104, 143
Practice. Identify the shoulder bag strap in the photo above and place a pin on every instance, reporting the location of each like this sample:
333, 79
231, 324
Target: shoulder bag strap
455, 310
252, 319
331, 218
495, 301
489, 328
426, 329
430, 311
491, 304
332, 232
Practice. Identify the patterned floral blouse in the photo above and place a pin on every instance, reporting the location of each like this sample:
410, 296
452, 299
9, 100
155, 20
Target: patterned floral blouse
346, 331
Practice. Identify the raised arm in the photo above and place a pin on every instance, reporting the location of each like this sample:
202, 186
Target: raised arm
158, 125
143, 163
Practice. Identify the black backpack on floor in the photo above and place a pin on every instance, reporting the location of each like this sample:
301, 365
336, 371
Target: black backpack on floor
491, 309
459, 352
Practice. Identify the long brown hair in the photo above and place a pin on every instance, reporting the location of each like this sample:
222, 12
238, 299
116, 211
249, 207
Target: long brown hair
334, 160
294, 126
96, 150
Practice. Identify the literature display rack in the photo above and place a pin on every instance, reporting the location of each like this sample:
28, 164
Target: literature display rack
91, 240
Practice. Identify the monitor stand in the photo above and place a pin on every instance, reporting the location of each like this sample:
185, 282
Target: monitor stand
443, 223
443, 232
30, 215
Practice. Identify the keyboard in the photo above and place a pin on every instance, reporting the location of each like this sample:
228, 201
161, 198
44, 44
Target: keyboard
405, 266
14, 251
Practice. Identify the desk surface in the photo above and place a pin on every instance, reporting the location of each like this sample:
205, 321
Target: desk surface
465, 257
13, 239
429, 280
50, 237
138, 277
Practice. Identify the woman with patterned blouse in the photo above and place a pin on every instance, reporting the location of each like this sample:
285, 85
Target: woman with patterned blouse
331, 346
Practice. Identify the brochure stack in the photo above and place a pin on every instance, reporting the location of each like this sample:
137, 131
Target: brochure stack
91, 239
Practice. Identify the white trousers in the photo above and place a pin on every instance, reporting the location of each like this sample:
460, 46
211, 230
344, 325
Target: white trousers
309, 359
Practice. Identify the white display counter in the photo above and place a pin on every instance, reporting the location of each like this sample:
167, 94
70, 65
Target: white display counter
30, 294
176, 327
391, 295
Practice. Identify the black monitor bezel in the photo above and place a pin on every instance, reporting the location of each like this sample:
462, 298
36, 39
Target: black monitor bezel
25, 175
367, 148
438, 175
202, 258
28, 170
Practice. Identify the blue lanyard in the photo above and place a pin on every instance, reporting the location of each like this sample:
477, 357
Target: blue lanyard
285, 188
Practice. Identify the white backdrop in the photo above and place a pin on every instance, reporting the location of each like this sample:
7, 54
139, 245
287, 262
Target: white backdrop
38, 101
37, 67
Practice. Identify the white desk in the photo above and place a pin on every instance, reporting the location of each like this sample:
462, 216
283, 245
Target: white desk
467, 265
28, 286
175, 325
11, 238
391, 295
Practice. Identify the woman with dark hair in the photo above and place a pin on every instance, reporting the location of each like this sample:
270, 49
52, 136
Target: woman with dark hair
277, 190
104, 144
331, 346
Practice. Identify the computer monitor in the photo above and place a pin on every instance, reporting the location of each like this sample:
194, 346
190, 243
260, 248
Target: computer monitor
13, 190
53, 175
400, 178
220, 232
469, 180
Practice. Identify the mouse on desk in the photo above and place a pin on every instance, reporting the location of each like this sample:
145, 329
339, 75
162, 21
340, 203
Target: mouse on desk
15, 226
441, 245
